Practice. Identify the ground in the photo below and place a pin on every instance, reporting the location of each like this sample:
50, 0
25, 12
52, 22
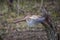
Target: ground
37, 34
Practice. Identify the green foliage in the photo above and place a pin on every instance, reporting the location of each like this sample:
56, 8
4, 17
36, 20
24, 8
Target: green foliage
23, 6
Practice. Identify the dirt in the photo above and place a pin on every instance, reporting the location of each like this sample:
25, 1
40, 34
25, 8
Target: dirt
36, 34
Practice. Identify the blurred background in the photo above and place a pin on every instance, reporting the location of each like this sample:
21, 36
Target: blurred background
16, 9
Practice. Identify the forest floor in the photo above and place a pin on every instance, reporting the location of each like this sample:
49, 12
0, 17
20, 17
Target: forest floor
36, 34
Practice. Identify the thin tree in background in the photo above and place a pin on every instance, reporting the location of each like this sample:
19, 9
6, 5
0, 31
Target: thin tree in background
10, 5
17, 7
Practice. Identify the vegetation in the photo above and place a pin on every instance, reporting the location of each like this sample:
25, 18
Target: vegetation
11, 10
